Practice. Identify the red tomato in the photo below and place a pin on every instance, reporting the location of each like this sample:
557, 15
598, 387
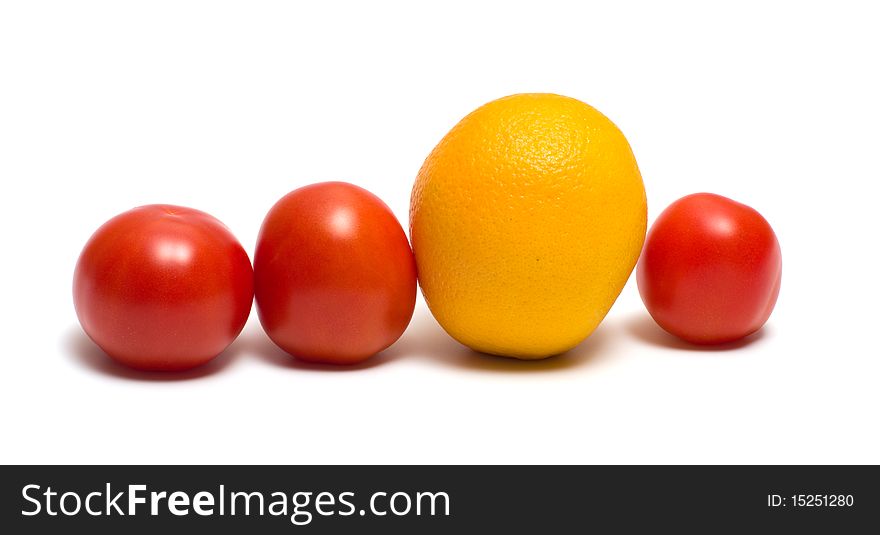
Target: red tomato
163, 288
335, 277
711, 269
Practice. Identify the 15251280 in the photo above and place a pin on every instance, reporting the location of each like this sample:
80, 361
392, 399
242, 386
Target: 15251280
822, 500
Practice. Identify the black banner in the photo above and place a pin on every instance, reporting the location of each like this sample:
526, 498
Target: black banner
439, 499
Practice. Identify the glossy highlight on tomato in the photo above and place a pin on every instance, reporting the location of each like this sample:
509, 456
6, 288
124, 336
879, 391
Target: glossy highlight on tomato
163, 288
335, 278
711, 269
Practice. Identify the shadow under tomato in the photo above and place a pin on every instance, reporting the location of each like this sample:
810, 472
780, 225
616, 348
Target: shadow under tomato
643, 327
426, 339
85, 352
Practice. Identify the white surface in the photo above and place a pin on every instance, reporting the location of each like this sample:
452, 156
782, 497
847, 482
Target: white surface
227, 106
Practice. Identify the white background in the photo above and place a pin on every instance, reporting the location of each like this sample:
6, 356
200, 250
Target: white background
227, 106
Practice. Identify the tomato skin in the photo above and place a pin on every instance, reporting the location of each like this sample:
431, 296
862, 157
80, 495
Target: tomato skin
711, 269
163, 288
335, 277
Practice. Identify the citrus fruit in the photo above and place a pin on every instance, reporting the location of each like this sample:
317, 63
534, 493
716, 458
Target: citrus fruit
526, 222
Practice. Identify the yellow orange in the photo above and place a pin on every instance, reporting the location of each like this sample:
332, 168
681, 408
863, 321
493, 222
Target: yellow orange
526, 221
